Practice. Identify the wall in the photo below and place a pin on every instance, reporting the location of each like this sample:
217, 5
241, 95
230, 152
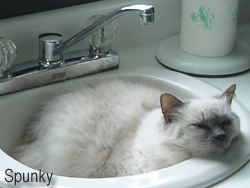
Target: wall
31, 6
244, 11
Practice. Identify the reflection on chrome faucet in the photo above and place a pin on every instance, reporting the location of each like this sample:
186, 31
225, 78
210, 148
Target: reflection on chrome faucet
54, 65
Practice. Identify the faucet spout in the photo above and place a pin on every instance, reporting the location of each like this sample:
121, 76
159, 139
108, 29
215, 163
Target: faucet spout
146, 13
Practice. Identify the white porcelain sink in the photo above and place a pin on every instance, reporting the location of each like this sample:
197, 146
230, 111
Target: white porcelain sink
17, 109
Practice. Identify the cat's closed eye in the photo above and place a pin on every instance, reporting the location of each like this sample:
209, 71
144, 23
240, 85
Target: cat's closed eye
200, 125
226, 121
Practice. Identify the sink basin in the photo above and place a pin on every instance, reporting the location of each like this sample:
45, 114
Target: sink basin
17, 109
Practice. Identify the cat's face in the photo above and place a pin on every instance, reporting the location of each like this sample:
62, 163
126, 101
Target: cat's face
207, 126
202, 126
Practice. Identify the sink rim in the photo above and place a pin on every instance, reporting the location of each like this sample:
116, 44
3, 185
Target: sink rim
170, 176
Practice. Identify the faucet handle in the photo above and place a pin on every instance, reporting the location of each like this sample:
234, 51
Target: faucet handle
7, 56
100, 40
48, 42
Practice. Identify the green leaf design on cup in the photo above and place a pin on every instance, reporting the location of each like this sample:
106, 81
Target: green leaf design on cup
204, 16
235, 15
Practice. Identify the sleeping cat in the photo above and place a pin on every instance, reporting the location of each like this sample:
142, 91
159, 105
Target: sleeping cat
121, 128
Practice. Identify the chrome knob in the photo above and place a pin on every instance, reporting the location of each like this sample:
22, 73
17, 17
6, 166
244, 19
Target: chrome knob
48, 42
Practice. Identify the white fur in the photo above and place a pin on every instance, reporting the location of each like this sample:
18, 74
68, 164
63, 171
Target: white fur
113, 129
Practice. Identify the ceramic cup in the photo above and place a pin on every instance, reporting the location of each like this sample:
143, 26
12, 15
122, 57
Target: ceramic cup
208, 27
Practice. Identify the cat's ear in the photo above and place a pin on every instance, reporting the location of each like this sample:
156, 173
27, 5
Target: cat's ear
229, 94
169, 104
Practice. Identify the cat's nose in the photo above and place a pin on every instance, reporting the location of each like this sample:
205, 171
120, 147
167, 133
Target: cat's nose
221, 137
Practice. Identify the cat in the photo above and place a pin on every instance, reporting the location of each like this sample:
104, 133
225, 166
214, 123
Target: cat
121, 128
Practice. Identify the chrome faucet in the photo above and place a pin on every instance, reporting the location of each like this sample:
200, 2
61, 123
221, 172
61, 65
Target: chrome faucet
51, 46
146, 13
54, 65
